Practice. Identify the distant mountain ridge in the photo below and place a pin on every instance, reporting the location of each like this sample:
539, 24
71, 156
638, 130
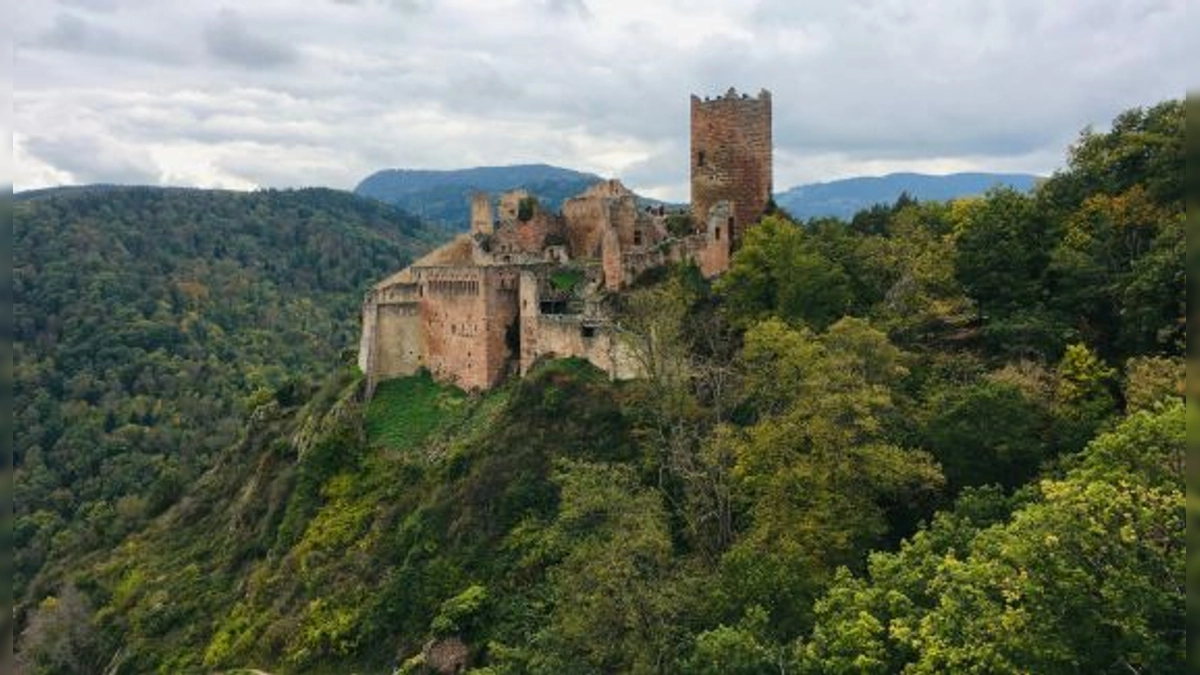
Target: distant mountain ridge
843, 198
442, 196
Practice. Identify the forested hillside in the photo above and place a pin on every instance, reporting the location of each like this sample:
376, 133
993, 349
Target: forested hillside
940, 437
148, 322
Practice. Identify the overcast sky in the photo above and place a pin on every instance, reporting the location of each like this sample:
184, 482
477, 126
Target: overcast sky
278, 93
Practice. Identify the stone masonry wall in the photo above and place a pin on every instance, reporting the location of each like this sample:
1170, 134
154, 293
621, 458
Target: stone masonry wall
571, 335
587, 220
454, 323
527, 237
401, 351
501, 314
528, 308
482, 221
731, 156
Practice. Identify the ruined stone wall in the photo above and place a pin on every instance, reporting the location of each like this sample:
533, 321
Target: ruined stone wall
501, 314
606, 206
530, 237
510, 205
367, 340
714, 256
731, 156
562, 335
454, 324
392, 341
482, 221
636, 263
400, 346
623, 214
611, 261
572, 335
586, 222
527, 285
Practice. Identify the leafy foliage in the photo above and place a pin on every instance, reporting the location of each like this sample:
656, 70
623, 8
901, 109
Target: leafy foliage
149, 323
1086, 576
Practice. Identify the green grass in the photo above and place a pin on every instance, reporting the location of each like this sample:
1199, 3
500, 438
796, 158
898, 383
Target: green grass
405, 411
572, 366
566, 279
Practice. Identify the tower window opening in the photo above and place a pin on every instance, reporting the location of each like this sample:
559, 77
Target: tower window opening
700, 158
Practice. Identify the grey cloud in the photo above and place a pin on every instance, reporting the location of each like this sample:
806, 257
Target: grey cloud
72, 33
420, 83
665, 167
95, 159
229, 39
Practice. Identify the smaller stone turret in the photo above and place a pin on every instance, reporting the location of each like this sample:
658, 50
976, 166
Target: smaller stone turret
481, 213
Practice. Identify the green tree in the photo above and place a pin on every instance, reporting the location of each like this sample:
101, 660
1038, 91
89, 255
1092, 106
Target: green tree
1085, 575
987, 432
1002, 255
778, 271
612, 609
817, 471
1084, 398
913, 267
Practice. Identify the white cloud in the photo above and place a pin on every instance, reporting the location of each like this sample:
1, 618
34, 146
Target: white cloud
272, 93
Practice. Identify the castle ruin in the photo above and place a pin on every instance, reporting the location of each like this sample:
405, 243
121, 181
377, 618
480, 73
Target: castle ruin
525, 283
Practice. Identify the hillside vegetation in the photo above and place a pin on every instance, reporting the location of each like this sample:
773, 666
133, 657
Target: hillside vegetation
941, 437
148, 322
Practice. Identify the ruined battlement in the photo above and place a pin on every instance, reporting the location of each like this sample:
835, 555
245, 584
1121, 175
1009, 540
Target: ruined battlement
525, 283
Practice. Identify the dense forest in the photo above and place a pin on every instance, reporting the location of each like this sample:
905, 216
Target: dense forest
149, 321
939, 437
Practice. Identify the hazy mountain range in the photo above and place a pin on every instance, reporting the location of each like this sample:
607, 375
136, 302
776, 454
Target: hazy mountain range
441, 196
843, 198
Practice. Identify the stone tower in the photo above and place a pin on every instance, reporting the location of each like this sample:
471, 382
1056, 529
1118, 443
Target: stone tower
731, 158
